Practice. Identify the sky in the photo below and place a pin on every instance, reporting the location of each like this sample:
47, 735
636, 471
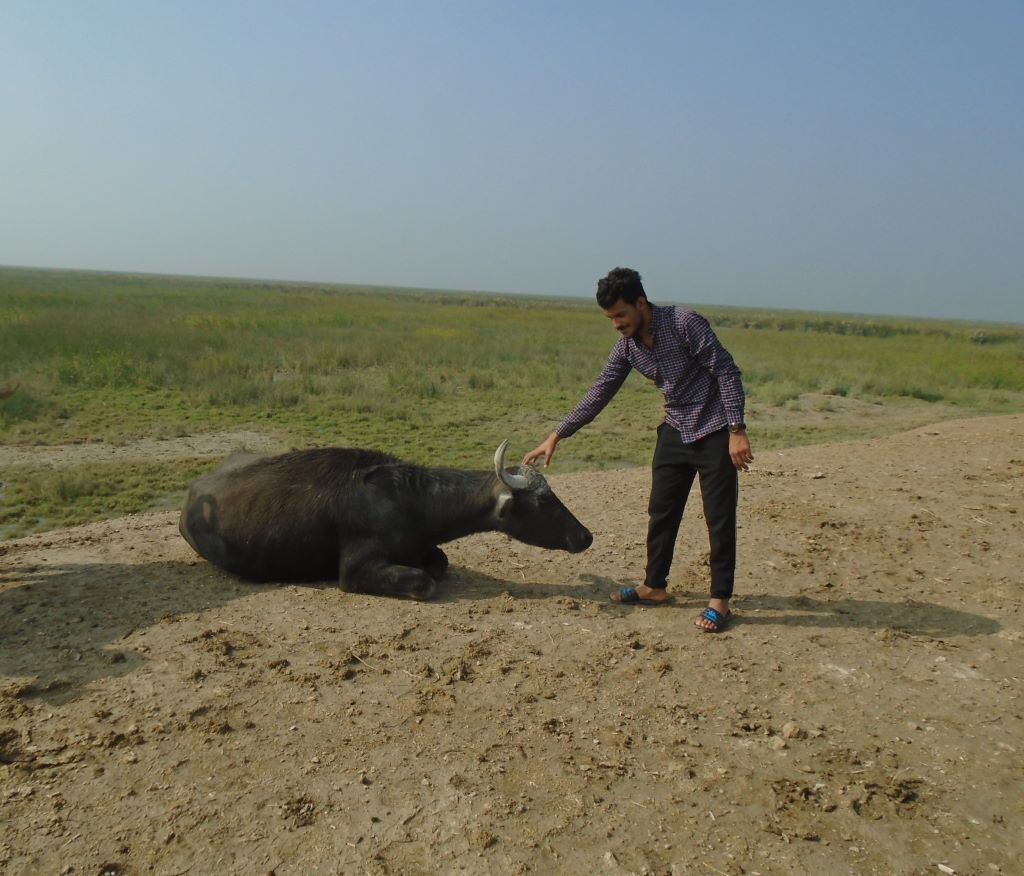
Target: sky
858, 157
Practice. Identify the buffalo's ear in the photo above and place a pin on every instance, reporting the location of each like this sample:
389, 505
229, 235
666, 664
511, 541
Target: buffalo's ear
503, 508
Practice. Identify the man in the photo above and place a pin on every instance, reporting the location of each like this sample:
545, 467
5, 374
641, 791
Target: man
703, 433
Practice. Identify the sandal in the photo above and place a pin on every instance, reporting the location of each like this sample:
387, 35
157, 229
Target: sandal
629, 596
717, 620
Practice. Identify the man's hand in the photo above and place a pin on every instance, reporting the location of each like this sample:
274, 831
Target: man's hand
739, 450
546, 449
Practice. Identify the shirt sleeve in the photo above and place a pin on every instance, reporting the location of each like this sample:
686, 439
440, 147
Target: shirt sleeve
608, 382
705, 347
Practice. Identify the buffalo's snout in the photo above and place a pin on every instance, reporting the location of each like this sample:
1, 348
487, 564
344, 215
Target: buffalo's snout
579, 541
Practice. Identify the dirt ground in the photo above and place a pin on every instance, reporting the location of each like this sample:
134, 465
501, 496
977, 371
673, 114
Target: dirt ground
863, 715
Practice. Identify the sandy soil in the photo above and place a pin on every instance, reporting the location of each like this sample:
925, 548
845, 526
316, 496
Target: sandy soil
863, 715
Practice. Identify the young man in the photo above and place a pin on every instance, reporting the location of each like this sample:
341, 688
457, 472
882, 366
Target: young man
703, 434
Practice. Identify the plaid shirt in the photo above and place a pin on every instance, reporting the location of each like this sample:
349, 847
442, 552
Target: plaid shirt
697, 375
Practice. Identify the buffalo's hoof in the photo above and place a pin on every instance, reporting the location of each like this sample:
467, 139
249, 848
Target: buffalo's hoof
423, 592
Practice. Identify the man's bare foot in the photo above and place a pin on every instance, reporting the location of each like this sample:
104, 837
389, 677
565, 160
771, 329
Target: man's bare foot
641, 593
715, 618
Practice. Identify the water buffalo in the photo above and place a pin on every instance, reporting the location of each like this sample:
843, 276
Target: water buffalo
363, 517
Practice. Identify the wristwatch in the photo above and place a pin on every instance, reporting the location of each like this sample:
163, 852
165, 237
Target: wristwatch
737, 427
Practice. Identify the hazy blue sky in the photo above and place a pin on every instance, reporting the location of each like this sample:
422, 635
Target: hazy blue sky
850, 156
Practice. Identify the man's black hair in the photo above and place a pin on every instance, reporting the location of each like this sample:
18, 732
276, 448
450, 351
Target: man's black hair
621, 284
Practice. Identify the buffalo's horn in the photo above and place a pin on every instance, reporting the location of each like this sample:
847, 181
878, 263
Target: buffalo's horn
515, 481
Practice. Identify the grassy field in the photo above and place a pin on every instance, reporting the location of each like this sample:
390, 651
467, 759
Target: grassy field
431, 376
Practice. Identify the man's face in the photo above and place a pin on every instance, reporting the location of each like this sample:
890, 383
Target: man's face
628, 319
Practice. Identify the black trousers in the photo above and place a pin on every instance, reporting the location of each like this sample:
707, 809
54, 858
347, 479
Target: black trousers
675, 465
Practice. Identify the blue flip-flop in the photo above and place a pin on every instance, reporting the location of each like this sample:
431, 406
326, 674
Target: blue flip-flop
718, 620
629, 596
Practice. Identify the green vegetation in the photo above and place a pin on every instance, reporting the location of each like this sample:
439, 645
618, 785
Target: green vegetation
431, 376
41, 498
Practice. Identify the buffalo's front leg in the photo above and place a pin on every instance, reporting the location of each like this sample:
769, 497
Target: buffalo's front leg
364, 571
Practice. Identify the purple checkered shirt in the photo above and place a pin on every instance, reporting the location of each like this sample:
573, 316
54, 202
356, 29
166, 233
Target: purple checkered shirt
697, 375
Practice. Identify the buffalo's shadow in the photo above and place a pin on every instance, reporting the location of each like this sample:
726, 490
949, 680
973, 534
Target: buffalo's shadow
63, 625
465, 584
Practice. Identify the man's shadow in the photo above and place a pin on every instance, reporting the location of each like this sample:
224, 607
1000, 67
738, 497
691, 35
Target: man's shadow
912, 617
